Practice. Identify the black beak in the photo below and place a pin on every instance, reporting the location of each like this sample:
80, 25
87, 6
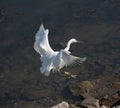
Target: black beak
80, 41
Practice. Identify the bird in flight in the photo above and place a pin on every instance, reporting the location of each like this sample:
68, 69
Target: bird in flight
53, 60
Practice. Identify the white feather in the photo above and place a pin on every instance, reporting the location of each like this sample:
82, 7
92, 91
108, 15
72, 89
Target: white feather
53, 60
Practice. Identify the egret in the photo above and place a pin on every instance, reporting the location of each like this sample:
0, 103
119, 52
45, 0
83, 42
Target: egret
53, 60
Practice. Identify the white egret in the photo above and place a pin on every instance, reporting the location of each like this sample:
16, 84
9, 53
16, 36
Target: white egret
53, 60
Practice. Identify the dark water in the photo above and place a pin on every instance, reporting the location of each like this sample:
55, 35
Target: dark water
97, 23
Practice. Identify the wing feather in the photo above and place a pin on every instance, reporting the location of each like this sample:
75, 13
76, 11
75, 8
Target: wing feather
41, 44
71, 60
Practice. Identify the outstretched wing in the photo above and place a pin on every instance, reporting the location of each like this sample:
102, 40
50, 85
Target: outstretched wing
41, 44
68, 59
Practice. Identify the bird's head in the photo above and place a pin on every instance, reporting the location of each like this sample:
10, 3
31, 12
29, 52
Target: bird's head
74, 40
70, 42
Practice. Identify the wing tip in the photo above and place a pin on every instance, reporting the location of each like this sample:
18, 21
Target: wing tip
42, 27
81, 60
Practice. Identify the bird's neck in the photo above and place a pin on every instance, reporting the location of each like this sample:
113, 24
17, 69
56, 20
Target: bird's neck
68, 45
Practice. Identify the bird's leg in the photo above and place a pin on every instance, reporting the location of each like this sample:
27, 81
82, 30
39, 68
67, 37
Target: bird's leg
70, 75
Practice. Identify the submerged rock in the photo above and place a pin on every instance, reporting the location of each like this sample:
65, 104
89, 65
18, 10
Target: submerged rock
116, 85
105, 89
82, 89
110, 100
98, 87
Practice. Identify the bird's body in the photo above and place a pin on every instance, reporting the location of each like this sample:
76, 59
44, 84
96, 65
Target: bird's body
53, 60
